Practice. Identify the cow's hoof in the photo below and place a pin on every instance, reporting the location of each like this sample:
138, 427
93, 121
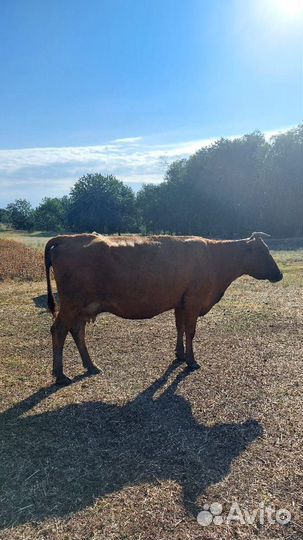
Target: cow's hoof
93, 370
63, 380
192, 366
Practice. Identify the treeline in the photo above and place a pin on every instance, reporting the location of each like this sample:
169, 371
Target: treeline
229, 188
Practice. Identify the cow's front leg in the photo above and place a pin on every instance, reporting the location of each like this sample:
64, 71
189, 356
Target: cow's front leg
78, 333
180, 326
191, 317
59, 333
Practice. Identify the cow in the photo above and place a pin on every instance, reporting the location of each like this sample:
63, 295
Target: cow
137, 277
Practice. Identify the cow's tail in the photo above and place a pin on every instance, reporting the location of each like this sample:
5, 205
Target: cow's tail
51, 244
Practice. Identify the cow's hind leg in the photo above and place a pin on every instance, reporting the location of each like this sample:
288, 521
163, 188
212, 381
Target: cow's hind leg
59, 333
190, 330
78, 333
180, 325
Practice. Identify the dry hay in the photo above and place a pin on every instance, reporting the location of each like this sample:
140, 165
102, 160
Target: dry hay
19, 262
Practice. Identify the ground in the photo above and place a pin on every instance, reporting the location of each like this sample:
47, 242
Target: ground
35, 239
135, 452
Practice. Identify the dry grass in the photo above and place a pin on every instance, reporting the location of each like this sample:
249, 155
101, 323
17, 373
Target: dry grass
36, 239
20, 262
134, 453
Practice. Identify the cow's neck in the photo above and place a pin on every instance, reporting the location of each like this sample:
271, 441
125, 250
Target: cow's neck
228, 263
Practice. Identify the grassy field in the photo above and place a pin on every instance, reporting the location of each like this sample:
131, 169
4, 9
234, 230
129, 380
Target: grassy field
36, 239
135, 452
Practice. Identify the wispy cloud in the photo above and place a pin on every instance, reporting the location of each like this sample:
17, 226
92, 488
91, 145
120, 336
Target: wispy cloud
37, 172
34, 173
128, 140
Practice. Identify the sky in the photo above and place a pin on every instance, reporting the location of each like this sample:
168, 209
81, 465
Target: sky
124, 87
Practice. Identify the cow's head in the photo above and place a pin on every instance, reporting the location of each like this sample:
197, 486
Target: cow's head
258, 261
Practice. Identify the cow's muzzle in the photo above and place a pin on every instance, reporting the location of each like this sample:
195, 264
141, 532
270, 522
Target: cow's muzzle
276, 278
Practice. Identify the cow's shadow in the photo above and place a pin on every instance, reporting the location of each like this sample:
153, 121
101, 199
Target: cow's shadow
41, 300
62, 460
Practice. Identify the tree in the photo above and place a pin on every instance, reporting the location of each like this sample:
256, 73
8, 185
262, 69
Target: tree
161, 206
4, 217
284, 181
20, 214
226, 179
51, 214
103, 204
149, 208
231, 188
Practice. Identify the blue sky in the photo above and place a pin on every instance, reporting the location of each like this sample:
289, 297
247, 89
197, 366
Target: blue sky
126, 86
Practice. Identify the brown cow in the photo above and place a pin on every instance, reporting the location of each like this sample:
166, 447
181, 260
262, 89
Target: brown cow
140, 277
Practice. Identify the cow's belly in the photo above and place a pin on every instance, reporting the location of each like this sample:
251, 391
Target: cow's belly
146, 313
129, 307
131, 295
136, 310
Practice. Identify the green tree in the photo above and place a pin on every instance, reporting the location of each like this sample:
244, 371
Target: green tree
161, 206
103, 204
231, 188
51, 214
4, 217
284, 184
21, 214
149, 208
226, 180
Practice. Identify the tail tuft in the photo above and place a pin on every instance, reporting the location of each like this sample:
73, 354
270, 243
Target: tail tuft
48, 263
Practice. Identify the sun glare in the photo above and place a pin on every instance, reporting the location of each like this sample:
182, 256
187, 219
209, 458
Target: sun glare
288, 8
280, 17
